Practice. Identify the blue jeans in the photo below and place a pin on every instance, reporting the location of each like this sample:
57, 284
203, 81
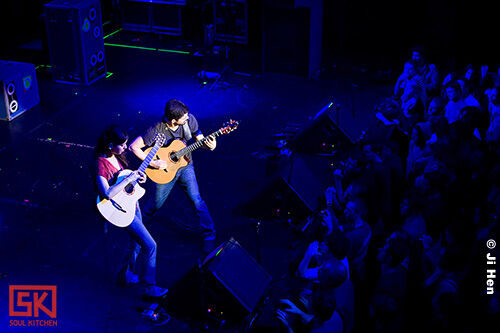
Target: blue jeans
187, 180
140, 239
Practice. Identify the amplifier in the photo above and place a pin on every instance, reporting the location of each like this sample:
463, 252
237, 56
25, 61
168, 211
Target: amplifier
18, 89
75, 39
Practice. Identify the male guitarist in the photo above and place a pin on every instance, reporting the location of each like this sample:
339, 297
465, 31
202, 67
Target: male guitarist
178, 123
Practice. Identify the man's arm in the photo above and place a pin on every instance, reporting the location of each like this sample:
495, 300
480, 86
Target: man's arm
136, 147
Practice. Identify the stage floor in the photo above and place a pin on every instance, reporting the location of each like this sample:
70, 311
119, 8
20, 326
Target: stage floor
50, 233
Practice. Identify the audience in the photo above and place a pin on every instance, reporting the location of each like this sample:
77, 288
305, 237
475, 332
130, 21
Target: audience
405, 212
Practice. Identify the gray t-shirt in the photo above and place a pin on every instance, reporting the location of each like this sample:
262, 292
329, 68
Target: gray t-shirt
161, 127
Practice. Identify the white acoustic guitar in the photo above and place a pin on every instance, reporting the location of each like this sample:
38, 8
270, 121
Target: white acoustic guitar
120, 209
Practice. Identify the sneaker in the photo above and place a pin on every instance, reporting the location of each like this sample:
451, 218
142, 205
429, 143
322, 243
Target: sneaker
127, 279
155, 291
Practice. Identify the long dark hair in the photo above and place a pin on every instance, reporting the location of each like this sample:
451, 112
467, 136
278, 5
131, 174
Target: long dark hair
112, 135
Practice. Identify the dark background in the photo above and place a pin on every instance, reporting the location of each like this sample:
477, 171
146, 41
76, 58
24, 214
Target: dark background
376, 33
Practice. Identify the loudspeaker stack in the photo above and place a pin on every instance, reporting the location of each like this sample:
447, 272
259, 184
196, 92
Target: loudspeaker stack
75, 39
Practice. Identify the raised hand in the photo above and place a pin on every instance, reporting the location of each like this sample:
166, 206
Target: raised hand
313, 248
293, 308
326, 218
329, 194
282, 316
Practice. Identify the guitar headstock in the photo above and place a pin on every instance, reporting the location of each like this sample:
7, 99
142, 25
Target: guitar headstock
229, 126
159, 139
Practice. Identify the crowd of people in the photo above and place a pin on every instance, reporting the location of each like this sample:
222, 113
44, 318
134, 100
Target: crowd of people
395, 247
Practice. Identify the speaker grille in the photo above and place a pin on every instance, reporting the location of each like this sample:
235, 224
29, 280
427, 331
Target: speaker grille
11, 89
13, 106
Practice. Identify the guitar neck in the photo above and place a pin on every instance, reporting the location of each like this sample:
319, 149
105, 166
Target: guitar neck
149, 157
196, 145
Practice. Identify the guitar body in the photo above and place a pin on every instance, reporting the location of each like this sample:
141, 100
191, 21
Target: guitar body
120, 210
167, 175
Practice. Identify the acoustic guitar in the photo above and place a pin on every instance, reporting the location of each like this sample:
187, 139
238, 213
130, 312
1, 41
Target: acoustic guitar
175, 154
120, 209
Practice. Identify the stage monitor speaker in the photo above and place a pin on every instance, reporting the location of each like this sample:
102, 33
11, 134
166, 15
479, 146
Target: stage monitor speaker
238, 282
18, 89
322, 134
75, 40
294, 192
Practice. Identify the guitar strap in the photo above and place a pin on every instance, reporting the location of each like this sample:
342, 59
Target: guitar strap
187, 131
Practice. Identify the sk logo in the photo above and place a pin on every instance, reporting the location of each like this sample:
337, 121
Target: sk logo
29, 301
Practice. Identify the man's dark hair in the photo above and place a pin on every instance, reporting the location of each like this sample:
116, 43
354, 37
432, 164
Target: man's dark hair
174, 110
453, 84
420, 49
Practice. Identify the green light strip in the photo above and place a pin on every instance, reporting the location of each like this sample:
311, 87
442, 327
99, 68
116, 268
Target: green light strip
131, 47
329, 105
43, 66
146, 48
218, 252
111, 34
173, 51
108, 74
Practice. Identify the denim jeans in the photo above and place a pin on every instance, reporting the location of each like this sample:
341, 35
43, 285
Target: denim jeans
140, 239
186, 178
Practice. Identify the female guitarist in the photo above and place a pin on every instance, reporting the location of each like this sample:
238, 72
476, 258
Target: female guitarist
109, 161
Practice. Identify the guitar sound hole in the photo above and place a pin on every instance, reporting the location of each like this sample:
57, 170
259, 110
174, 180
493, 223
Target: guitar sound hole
174, 158
129, 188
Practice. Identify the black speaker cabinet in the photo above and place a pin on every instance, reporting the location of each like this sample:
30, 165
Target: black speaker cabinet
75, 40
237, 281
322, 134
294, 192
18, 89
